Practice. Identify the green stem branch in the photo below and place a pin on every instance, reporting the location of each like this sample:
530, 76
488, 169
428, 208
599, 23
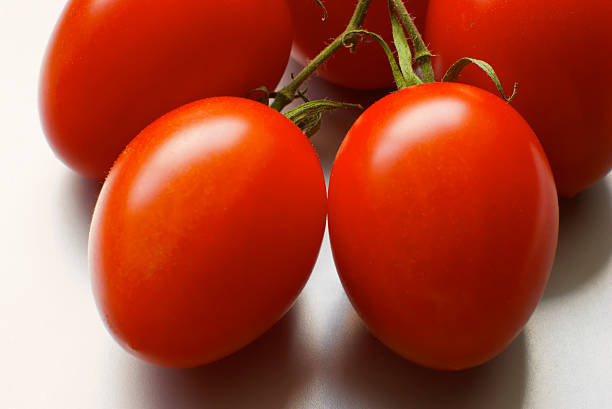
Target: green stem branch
422, 56
286, 95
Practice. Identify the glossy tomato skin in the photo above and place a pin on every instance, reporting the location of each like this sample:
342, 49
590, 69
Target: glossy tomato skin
368, 67
443, 222
206, 230
113, 67
567, 102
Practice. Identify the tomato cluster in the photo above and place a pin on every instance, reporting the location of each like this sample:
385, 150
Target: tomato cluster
443, 213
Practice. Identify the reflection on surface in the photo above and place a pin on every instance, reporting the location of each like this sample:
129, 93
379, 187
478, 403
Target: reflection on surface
585, 240
371, 376
268, 373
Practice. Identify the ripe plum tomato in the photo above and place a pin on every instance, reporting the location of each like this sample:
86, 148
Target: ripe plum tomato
443, 222
206, 230
368, 67
114, 66
567, 102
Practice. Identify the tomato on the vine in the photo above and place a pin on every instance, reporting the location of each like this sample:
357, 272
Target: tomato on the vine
206, 230
559, 53
443, 222
112, 67
368, 67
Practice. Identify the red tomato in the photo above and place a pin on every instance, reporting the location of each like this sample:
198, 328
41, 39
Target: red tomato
114, 66
368, 68
443, 222
206, 230
567, 100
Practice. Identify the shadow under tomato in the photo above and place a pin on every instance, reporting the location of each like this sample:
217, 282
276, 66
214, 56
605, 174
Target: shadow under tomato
83, 194
266, 374
75, 208
372, 376
585, 239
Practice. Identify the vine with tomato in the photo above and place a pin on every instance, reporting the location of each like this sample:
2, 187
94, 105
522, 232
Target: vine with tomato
442, 205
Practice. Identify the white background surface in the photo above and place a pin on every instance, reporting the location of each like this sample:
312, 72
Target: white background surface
55, 352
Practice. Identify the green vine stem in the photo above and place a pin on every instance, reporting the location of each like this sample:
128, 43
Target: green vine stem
422, 56
286, 95
404, 53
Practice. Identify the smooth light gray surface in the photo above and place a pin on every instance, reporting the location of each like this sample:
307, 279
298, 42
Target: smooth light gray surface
55, 352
